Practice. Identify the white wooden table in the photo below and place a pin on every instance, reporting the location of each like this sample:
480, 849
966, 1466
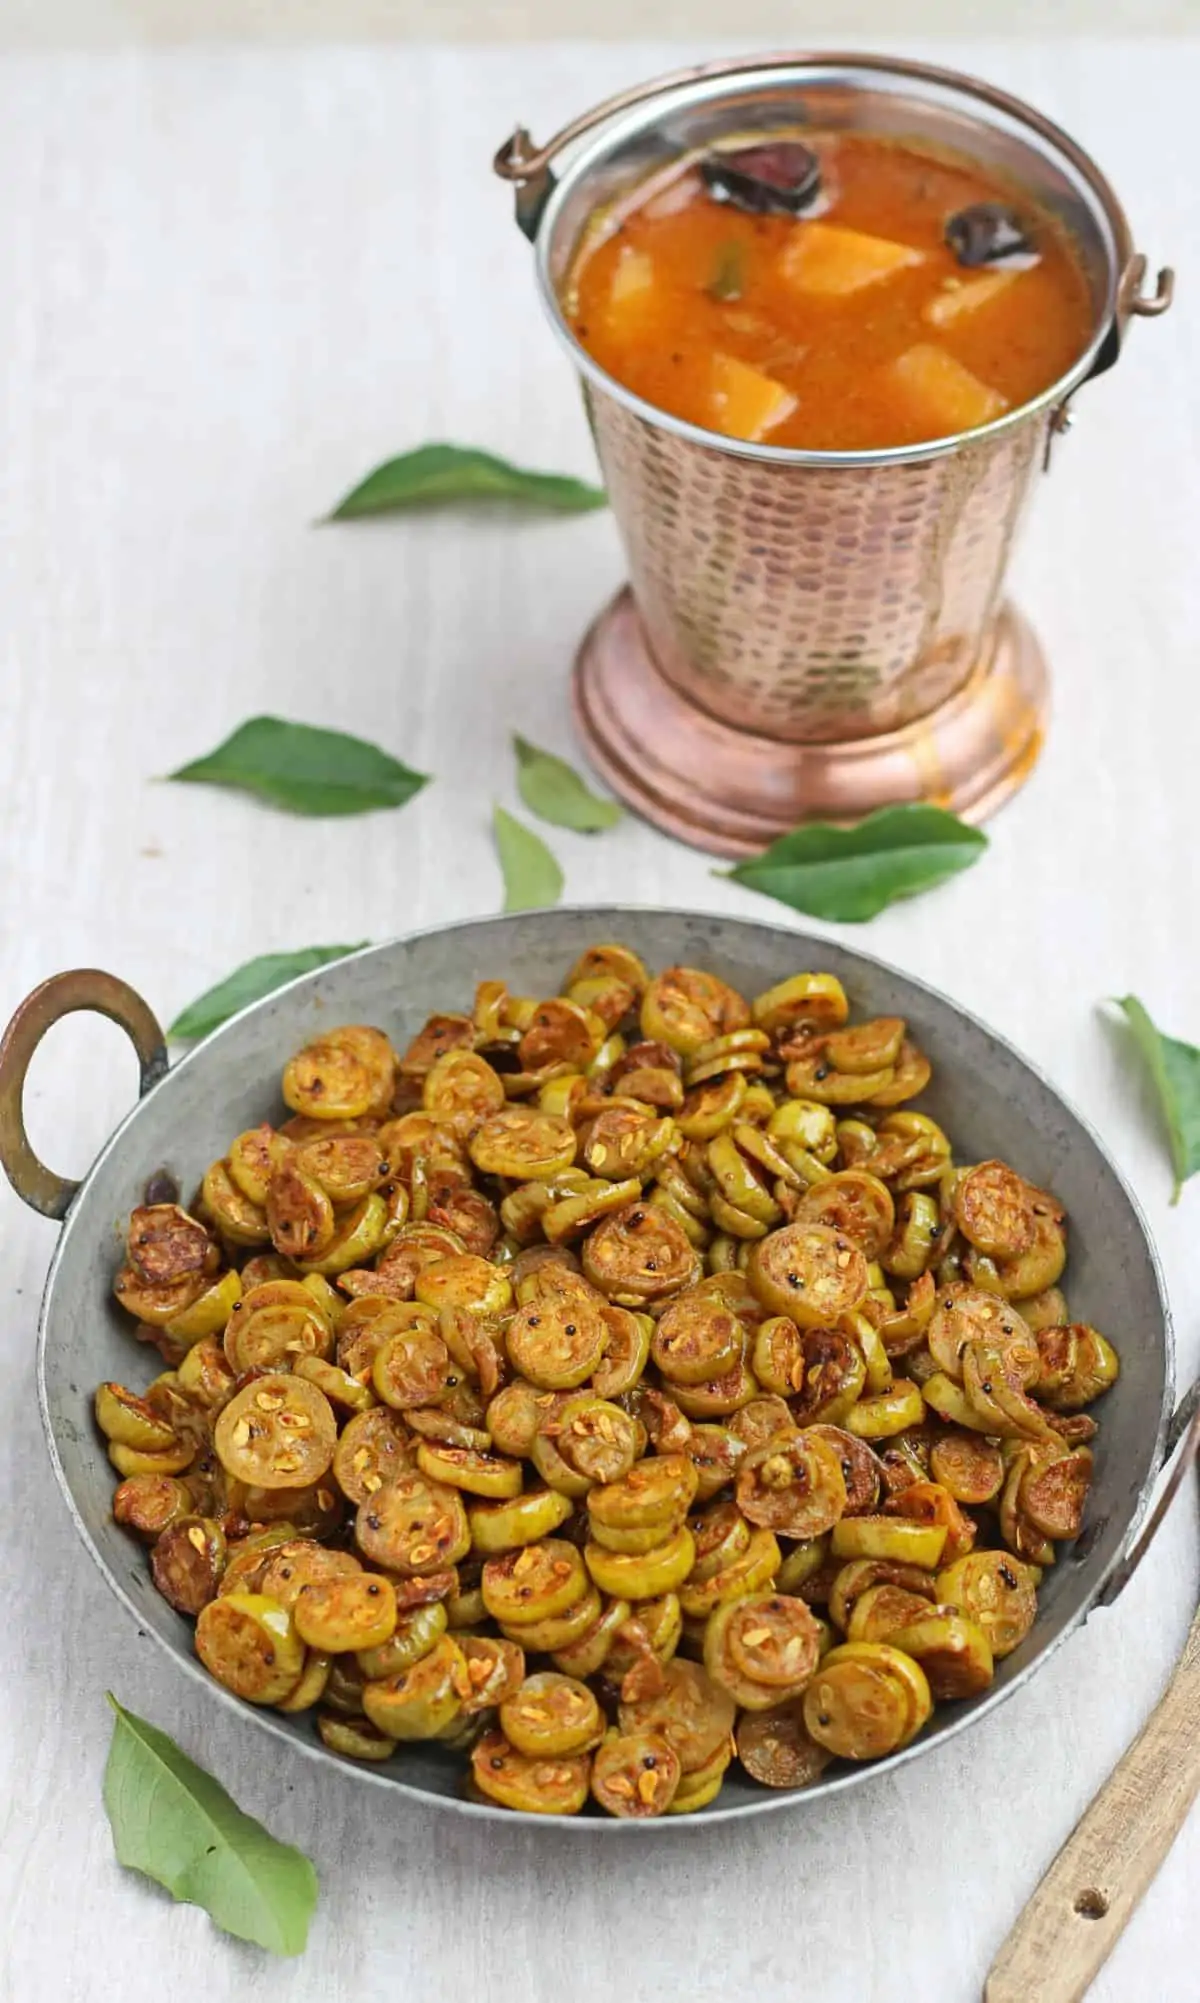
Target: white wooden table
229, 283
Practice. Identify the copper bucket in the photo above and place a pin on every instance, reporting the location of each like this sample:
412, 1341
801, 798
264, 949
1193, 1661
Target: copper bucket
815, 634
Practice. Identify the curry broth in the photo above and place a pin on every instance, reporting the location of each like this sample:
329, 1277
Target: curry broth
727, 318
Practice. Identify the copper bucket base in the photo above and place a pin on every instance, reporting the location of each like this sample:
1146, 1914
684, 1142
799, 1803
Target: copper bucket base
732, 793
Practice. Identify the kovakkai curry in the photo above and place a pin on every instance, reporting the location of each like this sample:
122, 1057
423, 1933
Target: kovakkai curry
840, 291
607, 1386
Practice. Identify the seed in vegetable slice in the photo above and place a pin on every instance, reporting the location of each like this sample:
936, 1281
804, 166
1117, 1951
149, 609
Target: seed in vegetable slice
782, 178
440, 474
851, 874
554, 791
305, 769
249, 983
532, 877
176, 1824
1174, 1068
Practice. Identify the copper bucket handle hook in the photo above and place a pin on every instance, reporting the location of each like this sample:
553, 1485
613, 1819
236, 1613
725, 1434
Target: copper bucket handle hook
1147, 305
528, 166
1131, 303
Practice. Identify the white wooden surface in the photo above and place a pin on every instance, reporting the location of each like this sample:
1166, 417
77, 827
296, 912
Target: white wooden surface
228, 284
105, 23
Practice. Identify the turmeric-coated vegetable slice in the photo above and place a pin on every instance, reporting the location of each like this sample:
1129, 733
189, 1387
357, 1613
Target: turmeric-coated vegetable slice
691, 1712
343, 1615
187, 1562
793, 1486
867, 1699
810, 1272
997, 1592
328, 1080
654, 1492
413, 1526
762, 1649
635, 1774
556, 1343
552, 1714
776, 1748
534, 1786
420, 1702
164, 1244
969, 1467
523, 1143
642, 1575
353, 1738
638, 1254
859, 1576
414, 1634
749, 1572
696, 1339
952, 1649
685, 1008
911, 1075
889, 1537
372, 1448
534, 1583
881, 1612
279, 1432
495, 1671
249, 1643
829, 1378
855, 1204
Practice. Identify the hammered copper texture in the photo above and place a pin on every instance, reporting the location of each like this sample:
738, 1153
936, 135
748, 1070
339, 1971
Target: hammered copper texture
814, 604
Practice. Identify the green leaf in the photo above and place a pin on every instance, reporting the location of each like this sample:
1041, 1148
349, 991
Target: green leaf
310, 771
554, 791
728, 279
1175, 1070
849, 874
249, 983
532, 878
434, 476
176, 1824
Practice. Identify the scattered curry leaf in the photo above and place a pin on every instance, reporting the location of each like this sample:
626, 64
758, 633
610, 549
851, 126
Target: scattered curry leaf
249, 983
554, 791
532, 877
728, 279
850, 874
307, 770
1174, 1068
176, 1824
435, 475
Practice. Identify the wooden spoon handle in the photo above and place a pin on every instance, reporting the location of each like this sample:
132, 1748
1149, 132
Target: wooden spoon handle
1080, 1909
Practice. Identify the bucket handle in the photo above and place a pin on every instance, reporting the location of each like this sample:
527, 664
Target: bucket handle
1181, 1447
64, 994
520, 161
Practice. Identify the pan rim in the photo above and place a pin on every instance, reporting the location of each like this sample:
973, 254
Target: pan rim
839, 1783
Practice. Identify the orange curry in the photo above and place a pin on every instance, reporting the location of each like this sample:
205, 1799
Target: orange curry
842, 292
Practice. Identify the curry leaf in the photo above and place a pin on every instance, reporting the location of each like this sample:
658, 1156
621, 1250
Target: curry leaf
310, 771
728, 279
554, 791
176, 1824
532, 877
1175, 1069
850, 874
249, 983
436, 475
